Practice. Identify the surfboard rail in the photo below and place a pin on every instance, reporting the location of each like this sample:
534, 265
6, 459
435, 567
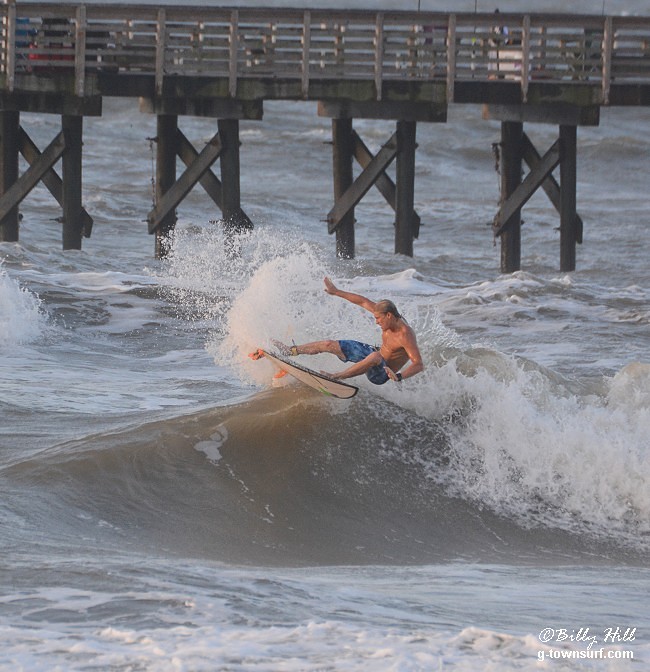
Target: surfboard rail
325, 384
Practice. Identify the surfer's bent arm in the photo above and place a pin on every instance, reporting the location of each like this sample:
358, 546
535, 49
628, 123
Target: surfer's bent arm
416, 366
357, 299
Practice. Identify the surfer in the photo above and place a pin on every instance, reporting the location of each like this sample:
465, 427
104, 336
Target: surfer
379, 364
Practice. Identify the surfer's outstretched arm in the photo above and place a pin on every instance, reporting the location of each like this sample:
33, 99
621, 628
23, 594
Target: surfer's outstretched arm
357, 299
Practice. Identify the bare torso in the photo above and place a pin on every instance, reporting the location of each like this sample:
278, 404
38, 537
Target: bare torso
392, 348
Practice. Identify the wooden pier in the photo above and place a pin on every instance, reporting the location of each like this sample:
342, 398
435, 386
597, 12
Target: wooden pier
223, 63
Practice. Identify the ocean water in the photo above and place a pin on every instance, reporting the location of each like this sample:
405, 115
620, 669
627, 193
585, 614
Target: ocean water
167, 506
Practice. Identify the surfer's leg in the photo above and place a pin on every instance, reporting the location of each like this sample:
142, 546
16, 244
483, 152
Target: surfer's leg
314, 348
317, 347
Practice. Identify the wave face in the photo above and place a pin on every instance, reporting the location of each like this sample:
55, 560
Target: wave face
288, 478
179, 444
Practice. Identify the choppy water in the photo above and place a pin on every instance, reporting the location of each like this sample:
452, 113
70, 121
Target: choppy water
164, 507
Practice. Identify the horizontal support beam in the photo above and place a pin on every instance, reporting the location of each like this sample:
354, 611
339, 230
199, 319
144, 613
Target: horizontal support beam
50, 102
384, 109
557, 114
215, 108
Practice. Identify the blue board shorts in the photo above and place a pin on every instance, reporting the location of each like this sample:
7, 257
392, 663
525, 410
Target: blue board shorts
355, 351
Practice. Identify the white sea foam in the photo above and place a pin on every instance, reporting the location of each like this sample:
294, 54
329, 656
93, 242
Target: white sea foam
284, 298
629, 391
21, 317
211, 447
535, 452
206, 618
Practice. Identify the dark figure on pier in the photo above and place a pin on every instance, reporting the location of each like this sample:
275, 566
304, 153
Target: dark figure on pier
498, 40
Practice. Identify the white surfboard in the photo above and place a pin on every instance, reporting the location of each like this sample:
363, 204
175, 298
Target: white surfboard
319, 381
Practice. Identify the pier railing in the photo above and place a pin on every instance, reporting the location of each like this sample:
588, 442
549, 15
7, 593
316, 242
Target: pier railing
46, 39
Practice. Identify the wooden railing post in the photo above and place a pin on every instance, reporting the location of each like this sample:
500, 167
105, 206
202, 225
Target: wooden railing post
160, 50
306, 46
80, 51
234, 48
525, 57
451, 57
379, 53
608, 43
10, 45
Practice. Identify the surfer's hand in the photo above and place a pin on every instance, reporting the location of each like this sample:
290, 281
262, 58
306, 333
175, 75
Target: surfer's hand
392, 375
330, 287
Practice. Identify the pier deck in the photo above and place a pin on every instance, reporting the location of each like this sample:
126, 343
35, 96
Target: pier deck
224, 63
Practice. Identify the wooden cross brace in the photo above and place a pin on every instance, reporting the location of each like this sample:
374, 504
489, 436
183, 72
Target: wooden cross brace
198, 166
40, 170
373, 173
541, 169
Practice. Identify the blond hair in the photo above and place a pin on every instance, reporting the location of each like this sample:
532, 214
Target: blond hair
387, 306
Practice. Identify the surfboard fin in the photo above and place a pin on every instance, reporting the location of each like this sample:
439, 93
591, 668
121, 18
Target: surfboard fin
257, 354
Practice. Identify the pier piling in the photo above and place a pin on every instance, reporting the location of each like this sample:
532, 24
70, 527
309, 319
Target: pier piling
511, 159
342, 153
568, 214
9, 127
235, 221
405, 184
72, 127
166, 149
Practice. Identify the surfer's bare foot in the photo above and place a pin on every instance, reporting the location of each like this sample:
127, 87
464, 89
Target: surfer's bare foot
286, 350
